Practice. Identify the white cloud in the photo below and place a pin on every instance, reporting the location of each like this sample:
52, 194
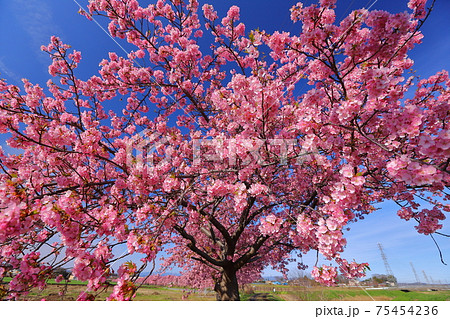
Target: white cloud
36, 19
7, 73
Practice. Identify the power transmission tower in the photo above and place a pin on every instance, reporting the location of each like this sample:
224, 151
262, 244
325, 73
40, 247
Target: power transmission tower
425, 276
414, 271
386, 264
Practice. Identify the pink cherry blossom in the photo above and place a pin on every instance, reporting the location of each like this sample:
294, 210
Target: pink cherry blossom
227, 149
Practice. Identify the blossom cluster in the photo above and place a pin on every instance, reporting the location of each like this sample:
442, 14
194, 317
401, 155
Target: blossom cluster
230, 156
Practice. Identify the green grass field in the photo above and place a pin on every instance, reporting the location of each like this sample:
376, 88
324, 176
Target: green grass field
336, 294
55, 291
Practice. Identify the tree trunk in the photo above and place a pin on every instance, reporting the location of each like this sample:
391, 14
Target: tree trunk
226, 286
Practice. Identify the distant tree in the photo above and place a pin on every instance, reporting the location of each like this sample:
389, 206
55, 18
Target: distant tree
341, 279
300, 279
383, 279
230, 149
62, 273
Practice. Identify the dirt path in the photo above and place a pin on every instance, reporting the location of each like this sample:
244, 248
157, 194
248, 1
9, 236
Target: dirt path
261, 297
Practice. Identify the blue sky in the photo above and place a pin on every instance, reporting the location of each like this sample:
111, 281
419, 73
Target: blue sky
27, 24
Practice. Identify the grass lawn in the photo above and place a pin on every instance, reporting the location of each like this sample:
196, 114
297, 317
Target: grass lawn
55, 291
339, 294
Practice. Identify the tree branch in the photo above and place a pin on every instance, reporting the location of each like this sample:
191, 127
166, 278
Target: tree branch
192, 246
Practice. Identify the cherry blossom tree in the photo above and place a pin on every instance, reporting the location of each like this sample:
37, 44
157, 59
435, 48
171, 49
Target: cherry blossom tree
229, 149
